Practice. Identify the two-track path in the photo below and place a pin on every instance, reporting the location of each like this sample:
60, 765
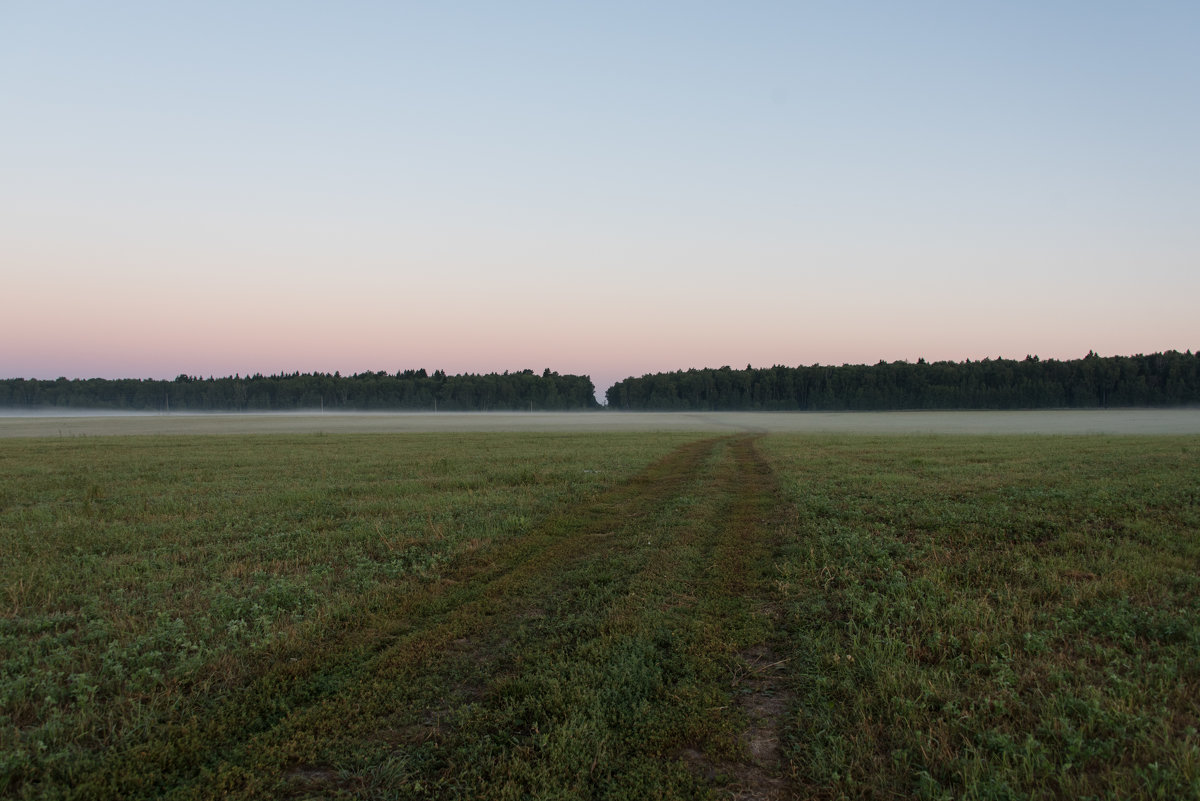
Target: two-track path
628, 648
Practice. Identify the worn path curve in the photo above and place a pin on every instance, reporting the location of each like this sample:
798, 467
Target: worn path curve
618, 650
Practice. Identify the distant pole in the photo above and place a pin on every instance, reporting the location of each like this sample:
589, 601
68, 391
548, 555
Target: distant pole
167, 400
531, 407
435, 405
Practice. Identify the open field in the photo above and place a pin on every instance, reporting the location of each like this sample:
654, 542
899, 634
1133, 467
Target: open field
677, 614
17, 423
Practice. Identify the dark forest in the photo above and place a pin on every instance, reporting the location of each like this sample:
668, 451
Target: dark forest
1170, 378
1159, 379
411, 390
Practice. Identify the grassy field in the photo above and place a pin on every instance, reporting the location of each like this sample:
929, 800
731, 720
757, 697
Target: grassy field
599, 615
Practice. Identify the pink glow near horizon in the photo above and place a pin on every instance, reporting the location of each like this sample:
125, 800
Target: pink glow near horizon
603, 342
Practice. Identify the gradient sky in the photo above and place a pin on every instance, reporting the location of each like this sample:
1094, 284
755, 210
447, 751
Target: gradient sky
601, 188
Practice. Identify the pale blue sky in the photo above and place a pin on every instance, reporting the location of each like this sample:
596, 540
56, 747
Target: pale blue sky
601, 188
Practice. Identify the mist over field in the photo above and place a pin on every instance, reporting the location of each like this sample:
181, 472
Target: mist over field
1058, 422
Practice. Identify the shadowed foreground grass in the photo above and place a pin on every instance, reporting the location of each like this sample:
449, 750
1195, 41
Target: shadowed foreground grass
599, 616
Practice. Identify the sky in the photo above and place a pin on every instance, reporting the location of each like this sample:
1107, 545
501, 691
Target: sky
611, 189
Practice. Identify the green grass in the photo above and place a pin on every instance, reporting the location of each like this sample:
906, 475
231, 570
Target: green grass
1000, 618
599, 616
143, 578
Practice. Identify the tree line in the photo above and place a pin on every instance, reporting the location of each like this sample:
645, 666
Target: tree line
1158, 379
405, 390
1170, 378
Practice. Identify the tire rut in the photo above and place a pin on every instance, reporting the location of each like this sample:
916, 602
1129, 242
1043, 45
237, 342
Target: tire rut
748, 538
391, 642
457, 634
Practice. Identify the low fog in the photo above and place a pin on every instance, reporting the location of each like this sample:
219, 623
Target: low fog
17, 423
